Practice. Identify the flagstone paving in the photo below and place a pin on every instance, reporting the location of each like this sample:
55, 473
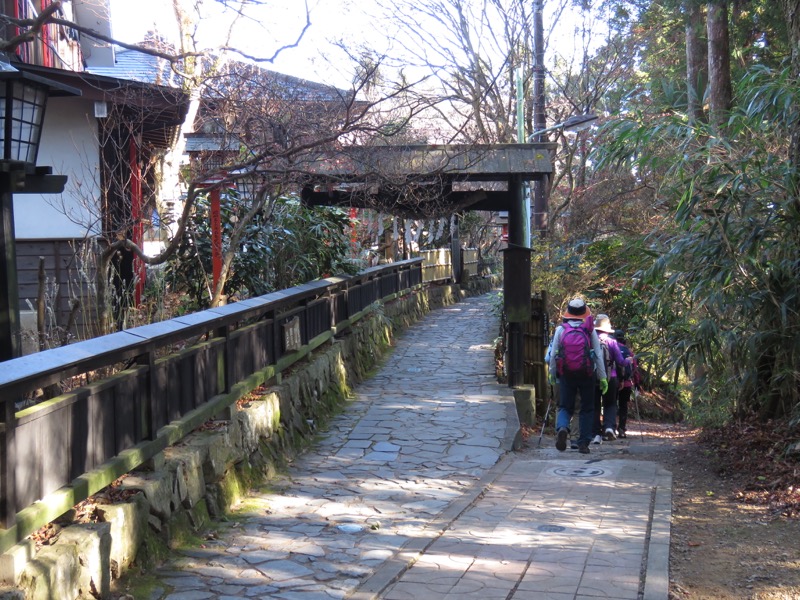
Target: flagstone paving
412, 493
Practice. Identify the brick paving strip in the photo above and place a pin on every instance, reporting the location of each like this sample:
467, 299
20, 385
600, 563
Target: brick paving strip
406, 456
551, 528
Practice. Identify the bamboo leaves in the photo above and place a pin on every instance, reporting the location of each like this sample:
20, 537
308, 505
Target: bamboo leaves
726, 284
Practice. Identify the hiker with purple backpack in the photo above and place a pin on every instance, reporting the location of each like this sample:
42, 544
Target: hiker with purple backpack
628, 381
576, 363
605, 401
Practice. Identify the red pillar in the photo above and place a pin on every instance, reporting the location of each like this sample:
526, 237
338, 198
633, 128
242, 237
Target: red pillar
353, 231
45, 34
216, 238
137, 233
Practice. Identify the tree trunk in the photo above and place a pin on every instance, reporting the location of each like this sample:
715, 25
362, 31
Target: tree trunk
792, 12
696, 61
719, 63
104, 313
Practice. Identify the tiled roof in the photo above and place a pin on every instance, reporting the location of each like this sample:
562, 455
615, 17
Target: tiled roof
137, 66
289, 86
199, 142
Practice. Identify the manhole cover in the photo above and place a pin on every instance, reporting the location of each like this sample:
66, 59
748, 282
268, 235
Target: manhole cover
551, 528
578, 471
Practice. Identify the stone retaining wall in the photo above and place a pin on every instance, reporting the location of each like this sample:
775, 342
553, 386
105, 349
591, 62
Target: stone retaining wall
201, 477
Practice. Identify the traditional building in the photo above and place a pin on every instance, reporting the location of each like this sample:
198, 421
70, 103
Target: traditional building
107, 141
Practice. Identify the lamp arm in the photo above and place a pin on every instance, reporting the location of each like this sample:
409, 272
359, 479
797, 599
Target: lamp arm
546, 130
574, 123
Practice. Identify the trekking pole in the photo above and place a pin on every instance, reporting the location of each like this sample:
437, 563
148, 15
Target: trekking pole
638, 414
546, 413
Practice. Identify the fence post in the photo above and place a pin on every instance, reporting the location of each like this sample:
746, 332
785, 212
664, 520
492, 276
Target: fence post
149, 408
224, 371
8, 498
331, 298
455, 251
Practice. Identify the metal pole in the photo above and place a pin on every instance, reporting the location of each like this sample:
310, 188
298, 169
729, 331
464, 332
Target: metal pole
544, 421
521, 140
539, 118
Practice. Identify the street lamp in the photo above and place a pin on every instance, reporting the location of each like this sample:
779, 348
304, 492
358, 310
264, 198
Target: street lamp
248, 182
574, 123
23, 99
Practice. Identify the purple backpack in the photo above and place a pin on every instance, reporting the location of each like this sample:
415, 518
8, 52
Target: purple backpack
574, 358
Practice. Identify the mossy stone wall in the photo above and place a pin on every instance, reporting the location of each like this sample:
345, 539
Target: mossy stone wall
201, 477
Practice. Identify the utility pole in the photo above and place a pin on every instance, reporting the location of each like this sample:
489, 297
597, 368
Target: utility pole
539, 118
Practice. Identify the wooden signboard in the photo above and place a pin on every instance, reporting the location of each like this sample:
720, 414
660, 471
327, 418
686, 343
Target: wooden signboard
291, 335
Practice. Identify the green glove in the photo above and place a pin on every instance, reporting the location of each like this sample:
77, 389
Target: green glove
552, 378
603, 386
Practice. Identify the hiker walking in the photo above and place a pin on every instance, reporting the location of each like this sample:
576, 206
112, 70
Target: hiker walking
628, 380
605, 400
576, 362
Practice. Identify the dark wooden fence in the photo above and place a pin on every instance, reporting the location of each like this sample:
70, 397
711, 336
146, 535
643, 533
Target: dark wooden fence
67, 264
161, 372
536, 337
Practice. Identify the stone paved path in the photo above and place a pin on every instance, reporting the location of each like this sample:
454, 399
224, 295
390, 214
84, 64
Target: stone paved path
419, 435
413, 495
551, 528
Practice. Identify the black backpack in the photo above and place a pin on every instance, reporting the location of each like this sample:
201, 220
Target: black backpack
627, 370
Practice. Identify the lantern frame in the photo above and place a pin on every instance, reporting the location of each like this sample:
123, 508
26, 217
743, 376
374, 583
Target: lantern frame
23, 104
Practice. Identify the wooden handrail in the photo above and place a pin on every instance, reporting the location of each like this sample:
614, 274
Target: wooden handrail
128, 421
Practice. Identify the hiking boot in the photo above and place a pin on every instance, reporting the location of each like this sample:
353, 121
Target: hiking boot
561, 439
609, 435
583, 447
622, 435
597, 440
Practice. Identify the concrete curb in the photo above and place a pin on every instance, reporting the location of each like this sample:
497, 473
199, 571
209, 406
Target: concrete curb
657, 567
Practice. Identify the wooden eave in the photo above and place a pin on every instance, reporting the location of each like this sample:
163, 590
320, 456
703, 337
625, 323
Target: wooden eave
422, 180
165, 108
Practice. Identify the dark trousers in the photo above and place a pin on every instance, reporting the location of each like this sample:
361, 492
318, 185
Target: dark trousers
608, 403
623, 397
569, 390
